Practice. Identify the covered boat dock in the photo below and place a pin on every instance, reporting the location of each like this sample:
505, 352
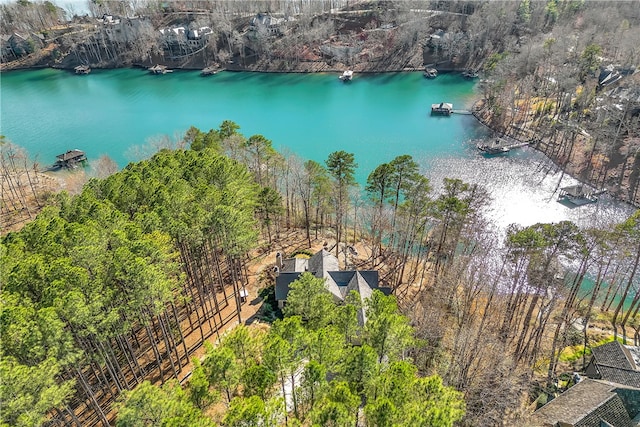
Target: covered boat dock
70, 159
578, 195
443, 109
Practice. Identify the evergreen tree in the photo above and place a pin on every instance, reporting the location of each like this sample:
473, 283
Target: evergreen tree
309, 299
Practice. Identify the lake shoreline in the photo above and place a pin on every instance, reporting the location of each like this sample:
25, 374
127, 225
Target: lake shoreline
571, 170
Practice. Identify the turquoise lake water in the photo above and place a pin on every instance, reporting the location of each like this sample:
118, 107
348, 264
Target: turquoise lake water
107, 112
376, 116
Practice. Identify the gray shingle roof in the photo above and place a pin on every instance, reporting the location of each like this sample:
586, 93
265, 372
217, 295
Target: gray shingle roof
295, 264
585, 404
323, 262
613, 354
325, 265
621, 376
615, 362
282, 284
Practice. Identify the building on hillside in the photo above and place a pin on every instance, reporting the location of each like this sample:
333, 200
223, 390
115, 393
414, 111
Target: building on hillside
615, 362
266, 24
6, 52
123, 30
184, 40
18, 45
324, 265
591, 403
197, 37
612, 74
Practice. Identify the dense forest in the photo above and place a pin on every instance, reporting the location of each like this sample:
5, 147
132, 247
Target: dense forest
108, 294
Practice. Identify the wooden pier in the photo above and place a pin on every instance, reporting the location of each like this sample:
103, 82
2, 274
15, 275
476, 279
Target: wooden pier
501, 145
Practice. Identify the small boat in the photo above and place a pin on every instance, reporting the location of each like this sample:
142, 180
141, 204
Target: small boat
431, 73
346, 76
159, 69
82, 69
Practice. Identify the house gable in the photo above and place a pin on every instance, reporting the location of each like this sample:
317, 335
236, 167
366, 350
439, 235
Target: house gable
325, 266
614, 362
588, 404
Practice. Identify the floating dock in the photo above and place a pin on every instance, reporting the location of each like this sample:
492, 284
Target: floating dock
494, 147
430, 73
209, 71
500, 145
470, 74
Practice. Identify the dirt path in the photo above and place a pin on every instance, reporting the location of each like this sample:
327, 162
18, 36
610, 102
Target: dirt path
259, 278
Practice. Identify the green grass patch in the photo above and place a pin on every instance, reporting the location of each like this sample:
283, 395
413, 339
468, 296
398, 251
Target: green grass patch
573, 353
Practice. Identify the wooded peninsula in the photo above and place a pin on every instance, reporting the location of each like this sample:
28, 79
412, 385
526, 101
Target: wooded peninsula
221, 282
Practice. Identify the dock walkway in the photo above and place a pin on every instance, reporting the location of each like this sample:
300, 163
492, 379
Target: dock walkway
501, 145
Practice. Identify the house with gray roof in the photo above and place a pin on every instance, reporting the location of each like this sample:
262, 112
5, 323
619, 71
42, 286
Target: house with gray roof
324, 265
591, 403
615, 362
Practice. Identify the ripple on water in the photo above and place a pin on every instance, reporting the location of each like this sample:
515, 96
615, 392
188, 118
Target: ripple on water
524, 188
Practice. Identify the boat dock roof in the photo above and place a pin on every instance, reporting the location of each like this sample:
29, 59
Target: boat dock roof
442, 106
71, 155
574, 190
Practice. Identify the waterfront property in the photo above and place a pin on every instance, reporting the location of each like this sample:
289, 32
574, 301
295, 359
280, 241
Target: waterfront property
324, 265
355, 118
443, 109
70, 159
610, 397
615, 362
591, 403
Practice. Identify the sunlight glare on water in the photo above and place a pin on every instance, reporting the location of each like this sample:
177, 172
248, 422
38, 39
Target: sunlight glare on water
524, 189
